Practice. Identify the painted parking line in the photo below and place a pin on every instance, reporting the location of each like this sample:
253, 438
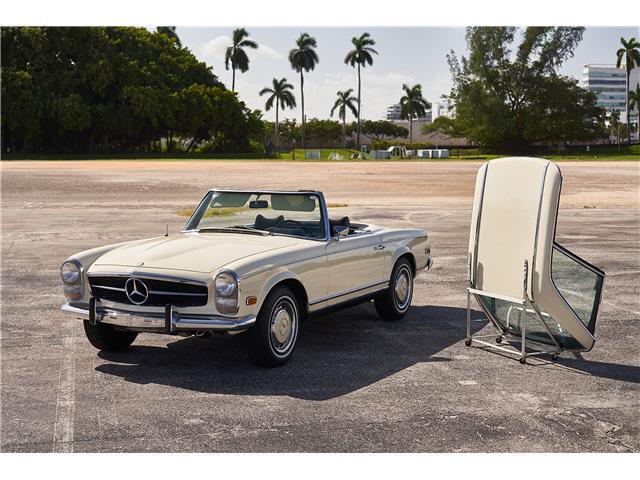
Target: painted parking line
65, 406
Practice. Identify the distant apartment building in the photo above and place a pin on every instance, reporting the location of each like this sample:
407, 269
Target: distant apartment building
610, 85
394, 112
442, 109
438, 109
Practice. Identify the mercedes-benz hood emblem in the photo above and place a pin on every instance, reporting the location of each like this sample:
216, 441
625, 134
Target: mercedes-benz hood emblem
136, 290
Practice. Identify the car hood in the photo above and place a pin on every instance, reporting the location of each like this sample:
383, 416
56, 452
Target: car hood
196, 252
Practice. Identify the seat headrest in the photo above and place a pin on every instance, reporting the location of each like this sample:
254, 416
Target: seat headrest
262, 222
338, 222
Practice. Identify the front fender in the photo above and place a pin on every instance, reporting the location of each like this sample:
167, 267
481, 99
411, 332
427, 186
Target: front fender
275, 277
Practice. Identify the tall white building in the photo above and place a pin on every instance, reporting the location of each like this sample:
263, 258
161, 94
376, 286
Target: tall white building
438, 109
394, 112
610, 85
441, 109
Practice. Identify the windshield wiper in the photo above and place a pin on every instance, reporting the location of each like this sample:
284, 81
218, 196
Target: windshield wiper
235, 229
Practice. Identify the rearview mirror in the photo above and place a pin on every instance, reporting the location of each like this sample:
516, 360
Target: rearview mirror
258, 204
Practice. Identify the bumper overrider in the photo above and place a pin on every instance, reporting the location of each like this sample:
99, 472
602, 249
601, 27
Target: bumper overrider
172, 322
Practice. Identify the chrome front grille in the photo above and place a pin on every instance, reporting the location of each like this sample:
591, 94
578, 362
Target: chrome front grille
159, 292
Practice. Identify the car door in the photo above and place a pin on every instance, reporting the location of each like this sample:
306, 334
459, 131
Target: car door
355, 266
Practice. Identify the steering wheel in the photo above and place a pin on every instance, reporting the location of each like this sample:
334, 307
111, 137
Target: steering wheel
294, 222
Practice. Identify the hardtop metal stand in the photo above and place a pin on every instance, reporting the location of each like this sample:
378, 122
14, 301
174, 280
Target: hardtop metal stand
527, 307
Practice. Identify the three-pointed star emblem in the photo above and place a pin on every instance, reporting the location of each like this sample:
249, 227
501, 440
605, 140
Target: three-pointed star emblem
136, 290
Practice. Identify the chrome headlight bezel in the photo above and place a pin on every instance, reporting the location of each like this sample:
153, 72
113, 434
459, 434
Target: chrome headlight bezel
226, 286
71, 272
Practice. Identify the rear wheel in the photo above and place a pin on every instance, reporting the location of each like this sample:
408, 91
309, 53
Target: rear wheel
271, 341
105, 337
393, 303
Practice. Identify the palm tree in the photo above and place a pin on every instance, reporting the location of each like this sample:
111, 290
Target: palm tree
282, 94
171, 33
303, 58
235, 54
413, 105
634, 102
360, 56
345, 101
630, 54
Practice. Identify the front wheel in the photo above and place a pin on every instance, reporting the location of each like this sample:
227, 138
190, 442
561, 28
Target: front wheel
270, 342
105, 337
393, 303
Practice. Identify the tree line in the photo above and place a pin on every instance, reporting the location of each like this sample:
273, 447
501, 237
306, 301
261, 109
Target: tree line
509, 97
115, 89
123, 89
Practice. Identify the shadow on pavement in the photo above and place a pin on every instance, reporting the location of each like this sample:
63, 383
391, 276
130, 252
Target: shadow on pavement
613, 371
336, 354
577, 364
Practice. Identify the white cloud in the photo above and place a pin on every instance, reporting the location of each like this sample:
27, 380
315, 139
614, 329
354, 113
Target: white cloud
267, 51
212, 51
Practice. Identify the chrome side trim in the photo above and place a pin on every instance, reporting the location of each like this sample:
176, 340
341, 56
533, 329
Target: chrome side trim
143, 321
384, 284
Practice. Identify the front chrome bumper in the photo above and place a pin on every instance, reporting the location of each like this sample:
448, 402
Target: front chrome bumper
171, 322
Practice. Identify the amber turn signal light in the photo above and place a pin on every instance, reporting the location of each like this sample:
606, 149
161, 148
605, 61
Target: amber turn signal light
251, 300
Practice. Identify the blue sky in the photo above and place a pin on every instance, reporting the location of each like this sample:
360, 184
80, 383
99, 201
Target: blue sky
406, 55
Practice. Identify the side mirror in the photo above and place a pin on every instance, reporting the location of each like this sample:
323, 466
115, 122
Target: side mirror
340, 231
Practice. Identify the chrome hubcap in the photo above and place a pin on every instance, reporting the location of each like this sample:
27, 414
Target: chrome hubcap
284, 325
403, 288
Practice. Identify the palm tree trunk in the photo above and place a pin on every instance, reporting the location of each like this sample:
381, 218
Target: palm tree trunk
344, 130
277, 126
627, 102
233, 78
302, 98
359, 105
410, 129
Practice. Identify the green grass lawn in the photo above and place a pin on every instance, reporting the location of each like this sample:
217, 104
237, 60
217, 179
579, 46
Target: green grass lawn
609, 153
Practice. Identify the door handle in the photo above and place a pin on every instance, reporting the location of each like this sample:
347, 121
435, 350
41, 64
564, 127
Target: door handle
379, 247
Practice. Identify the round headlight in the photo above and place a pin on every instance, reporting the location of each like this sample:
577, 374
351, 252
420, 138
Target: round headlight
70, 272
226, 284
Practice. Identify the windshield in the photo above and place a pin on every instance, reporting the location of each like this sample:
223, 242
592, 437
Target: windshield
295, 214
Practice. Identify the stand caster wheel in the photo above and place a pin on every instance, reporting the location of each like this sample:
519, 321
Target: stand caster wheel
523, 360
467, 342
499, 339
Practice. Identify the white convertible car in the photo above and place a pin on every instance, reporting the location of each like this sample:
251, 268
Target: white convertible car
254, 261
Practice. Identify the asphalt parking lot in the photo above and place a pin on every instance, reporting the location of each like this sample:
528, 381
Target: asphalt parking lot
355, 383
